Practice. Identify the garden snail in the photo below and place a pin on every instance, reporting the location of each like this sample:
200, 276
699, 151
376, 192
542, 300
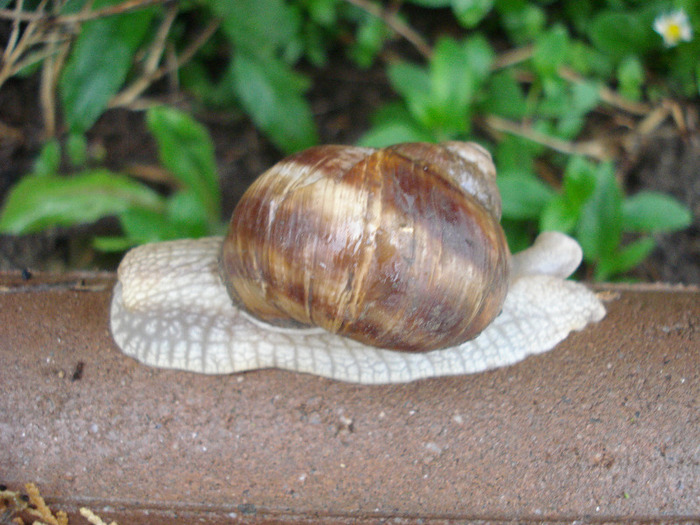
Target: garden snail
364, 265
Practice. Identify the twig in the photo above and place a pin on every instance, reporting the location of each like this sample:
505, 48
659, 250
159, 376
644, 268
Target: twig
591, 149
608, 95
158, 45
129, 95
512, 57
395, 23
15, 32
37, 15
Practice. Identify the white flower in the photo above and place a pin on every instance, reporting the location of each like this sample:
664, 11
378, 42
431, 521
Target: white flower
674, 27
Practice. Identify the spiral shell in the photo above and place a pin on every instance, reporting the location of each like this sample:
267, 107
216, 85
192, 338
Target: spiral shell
397, 248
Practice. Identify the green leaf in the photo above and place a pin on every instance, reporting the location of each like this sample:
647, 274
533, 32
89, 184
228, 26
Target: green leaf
441, 98
142, 226
369, 39
113, 244
49, 159
40, 202
271, 94
516, 155
523, 196
587, 60
586, 96
622, 33
563, 212
630, 75
471, 12
522, 19
185, 213
393, 124
625, 259
519, 234
413, 84
558, 215
99, 63
551, 49
579, 182
77, 147
599, 230
432, 3
505, 96
185, 148
457, 72
653, 212
258, 27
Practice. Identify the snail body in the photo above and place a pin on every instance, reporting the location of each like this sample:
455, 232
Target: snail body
357, 264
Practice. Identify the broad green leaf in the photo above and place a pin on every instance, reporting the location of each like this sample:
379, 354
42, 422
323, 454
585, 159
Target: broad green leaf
519, 234
471, 12
586, 96
369, 39
599, 229
185, 148
523, 196
77, 149
40, 202
431, 3
515, 155
557, 98
558, 215
653, 212
630, 75
622, 33
271, 94
113, 244
258, 27
588, 61
98, 64
323, 12
383, 135
505, 96
625, 259
142, 226
551, 49
185, 213
457, 72
393, 124
522, 19
413, 84
579, 182
49, 159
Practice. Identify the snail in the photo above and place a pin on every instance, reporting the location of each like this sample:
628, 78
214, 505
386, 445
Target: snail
357, 264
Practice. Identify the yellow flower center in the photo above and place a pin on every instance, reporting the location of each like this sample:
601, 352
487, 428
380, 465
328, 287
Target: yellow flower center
673, 32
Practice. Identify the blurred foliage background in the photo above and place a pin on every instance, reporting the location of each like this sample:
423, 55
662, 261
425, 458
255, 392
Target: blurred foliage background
559, 91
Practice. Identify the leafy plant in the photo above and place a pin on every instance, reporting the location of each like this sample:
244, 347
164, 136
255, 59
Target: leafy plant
534, 102
45, 199
525, 77
592, 207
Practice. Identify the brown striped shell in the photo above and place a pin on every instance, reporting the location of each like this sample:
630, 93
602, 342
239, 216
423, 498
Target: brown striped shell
398, 248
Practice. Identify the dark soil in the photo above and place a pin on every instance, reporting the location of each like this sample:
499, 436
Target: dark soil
343, 100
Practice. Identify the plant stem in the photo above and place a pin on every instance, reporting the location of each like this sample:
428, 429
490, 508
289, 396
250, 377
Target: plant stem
395, 23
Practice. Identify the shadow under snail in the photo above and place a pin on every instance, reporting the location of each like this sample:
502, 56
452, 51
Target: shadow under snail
358, 264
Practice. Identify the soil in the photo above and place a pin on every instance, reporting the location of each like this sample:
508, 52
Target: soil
343, 100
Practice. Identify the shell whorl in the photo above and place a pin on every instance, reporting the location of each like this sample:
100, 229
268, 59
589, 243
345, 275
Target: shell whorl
397, 248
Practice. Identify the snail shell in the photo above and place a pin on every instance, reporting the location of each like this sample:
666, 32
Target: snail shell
397, 248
